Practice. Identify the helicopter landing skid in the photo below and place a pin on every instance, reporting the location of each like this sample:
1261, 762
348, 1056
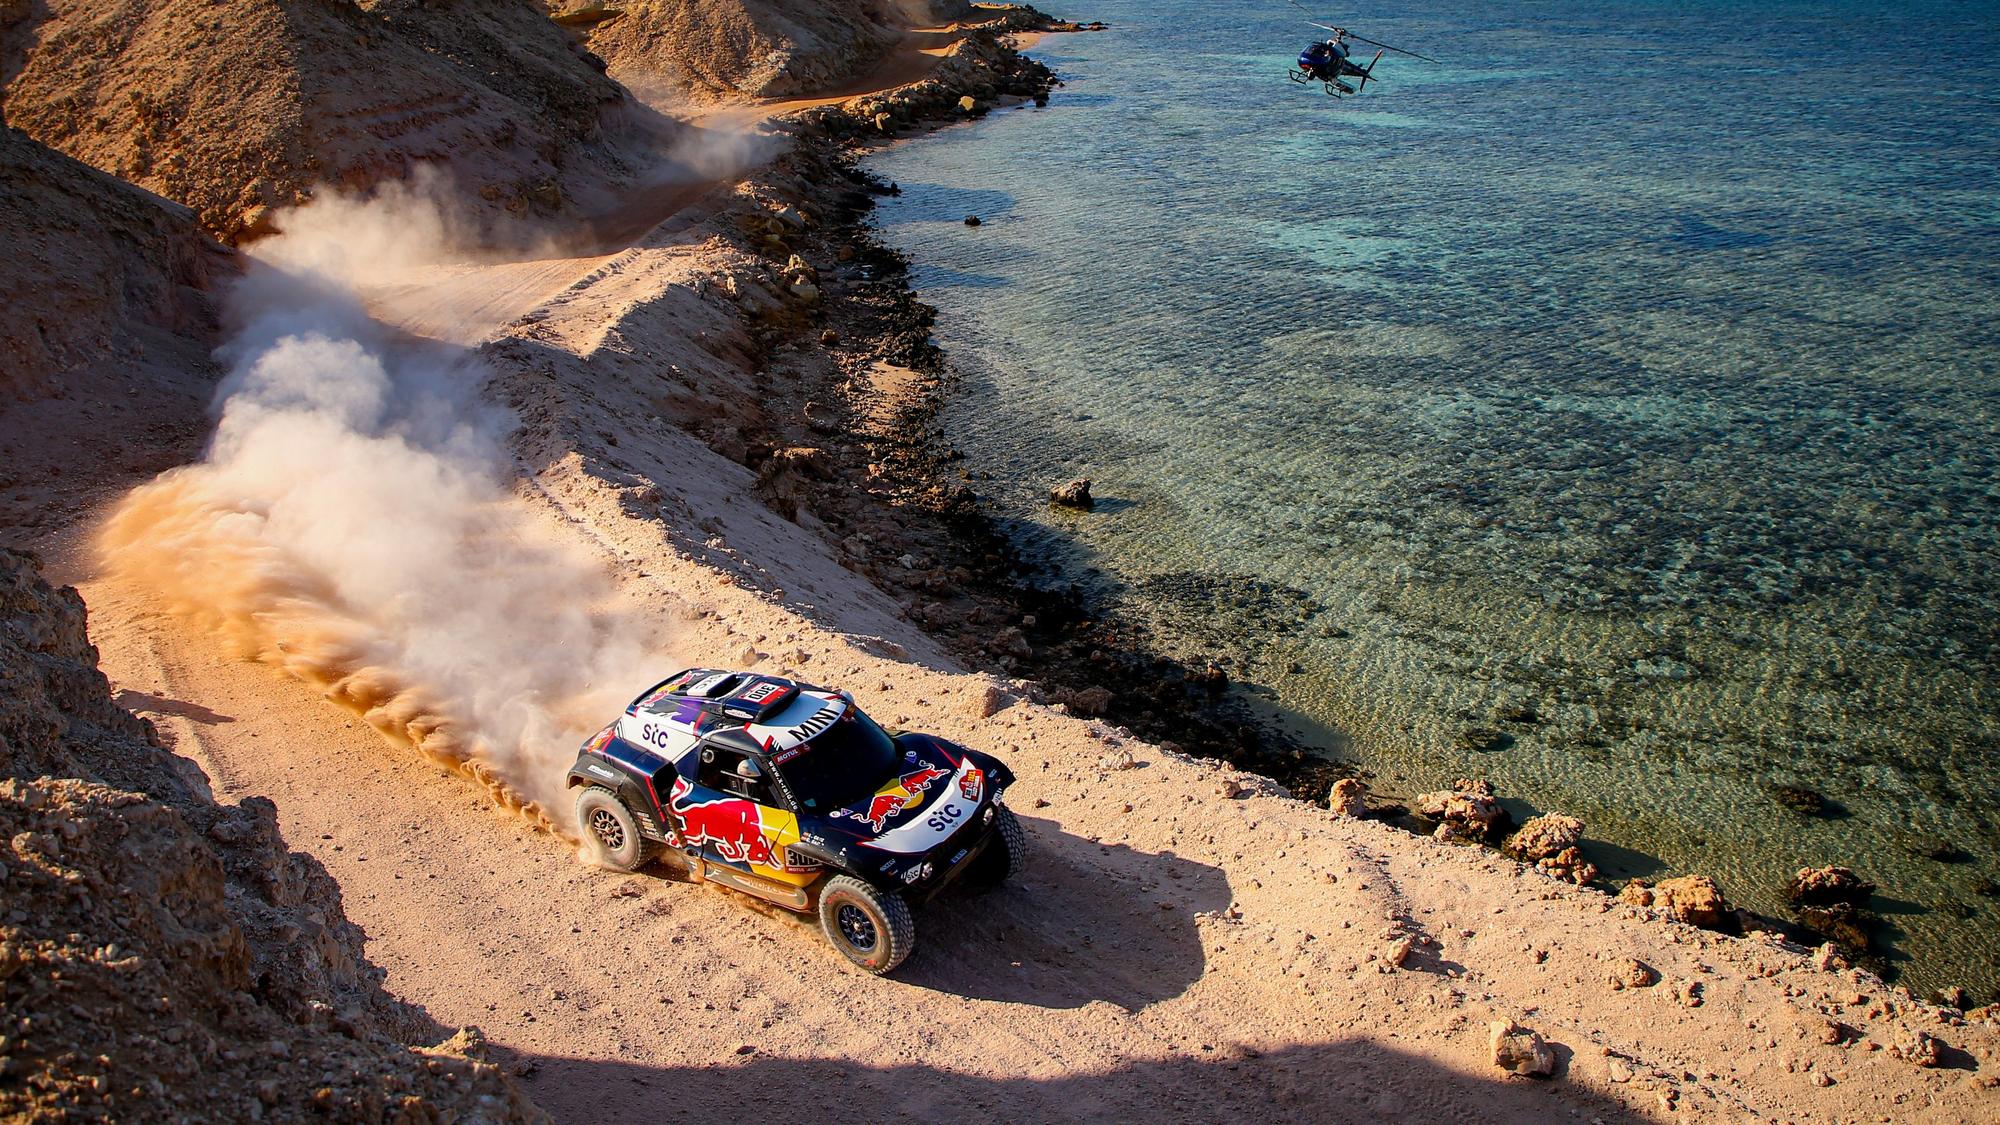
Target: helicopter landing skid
1334, 87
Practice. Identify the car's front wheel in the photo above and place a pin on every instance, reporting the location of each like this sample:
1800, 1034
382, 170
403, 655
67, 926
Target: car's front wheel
871, 927
610, 831
1006, 852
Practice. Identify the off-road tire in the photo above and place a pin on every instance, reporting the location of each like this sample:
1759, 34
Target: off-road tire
611, 832
871, 927
1005, 854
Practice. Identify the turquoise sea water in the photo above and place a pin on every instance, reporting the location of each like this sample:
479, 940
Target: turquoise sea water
1637, 366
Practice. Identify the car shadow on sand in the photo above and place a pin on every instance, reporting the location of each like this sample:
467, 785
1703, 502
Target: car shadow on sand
1344, 1080
1085, 922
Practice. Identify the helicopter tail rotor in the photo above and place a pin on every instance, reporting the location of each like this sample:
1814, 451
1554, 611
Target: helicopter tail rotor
1368, 71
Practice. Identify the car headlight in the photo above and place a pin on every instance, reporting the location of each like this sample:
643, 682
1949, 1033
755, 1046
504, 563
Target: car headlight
918, 873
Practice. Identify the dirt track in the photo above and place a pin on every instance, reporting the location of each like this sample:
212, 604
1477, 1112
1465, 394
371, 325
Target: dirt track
1070, 994
1109, 982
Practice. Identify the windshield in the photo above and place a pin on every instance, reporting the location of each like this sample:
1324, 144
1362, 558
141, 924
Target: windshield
844, 763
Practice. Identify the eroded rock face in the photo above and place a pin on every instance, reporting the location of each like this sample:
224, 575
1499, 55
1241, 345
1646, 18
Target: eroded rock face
1468, 811
174, 960
1694, 899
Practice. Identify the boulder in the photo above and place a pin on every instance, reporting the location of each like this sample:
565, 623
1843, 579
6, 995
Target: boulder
1954, 997
1824, 886
1075, 494
1844, 922
1544, 836
1089, 701
1694, 899
1346, 798
1519, 1050
989, 700
1550, 843
1632, 973
1467, 811
1920, 1048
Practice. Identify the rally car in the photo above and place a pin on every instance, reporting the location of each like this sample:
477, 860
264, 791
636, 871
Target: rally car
790, 793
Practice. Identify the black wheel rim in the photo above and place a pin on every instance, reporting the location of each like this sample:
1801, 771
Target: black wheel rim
856, 927
604, 825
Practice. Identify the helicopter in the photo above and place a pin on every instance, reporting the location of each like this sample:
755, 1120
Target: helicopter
1329, 61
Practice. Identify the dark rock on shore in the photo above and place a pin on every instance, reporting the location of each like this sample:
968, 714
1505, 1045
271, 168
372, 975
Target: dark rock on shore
1848, 925
972, 220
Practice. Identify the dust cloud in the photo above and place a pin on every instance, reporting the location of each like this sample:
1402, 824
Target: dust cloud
352, 521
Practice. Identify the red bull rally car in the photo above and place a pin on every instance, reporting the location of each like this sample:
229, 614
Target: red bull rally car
790, 793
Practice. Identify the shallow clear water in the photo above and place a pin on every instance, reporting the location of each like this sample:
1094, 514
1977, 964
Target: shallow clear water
1637, 364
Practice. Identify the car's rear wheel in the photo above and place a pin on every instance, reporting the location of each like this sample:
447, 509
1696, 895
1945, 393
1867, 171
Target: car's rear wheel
611, 832
1006, 852
871, 927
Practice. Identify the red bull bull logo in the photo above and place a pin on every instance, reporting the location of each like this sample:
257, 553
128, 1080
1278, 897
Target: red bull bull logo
732, 824
907, 791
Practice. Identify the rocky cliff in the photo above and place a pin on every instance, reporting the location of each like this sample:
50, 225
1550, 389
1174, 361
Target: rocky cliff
237, 109
166, 957
715, 50
106, 321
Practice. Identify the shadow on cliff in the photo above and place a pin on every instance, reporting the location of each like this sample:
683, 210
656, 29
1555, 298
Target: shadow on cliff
1346, 1080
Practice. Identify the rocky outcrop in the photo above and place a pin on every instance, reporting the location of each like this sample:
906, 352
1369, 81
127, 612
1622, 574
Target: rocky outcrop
1629, 972
979, 66
238, 109
1824, 886
90, 262
1467, 812
1694, 899
730, 49
1833, 901
1550, 843
106, 326
1073, 494
165, 956
1348, 797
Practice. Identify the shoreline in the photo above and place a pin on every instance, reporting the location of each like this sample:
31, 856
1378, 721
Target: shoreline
994, 609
